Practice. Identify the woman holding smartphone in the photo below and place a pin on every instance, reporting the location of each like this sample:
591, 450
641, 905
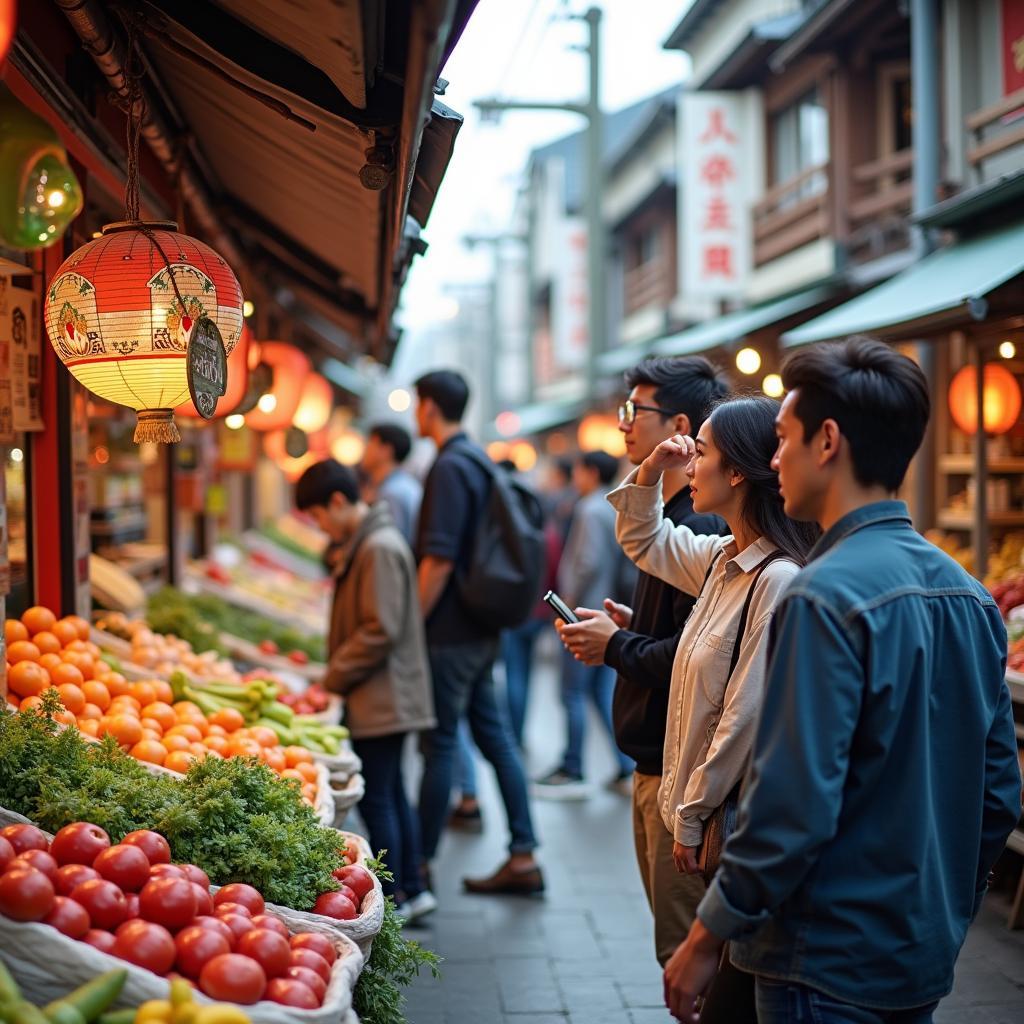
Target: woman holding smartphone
718, 675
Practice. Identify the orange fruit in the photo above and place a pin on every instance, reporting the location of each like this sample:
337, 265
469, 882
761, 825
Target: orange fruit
65, 718
115, 683
90, 726
143, 693
47, 642
13, 699
292, 773
66, 673
14, 631
309, 792
172, 743
213, 753
182, 707
163, 713
65, 632
296, 755
129, 703
264, 736
308, 771
23, 650
124, 728
72, 697
80, 624
90, 711
153, 725
96, 693
186, 729
27, 679
152, 734
241, 747
229, 719
82, 661
274, 759
212, 729
80, 647
216, 744
50, 662
198, 750
151, 751
164, 693
179, 761
30, 704
38, 619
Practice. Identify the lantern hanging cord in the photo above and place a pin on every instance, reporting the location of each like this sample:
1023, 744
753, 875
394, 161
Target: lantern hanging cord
136, 111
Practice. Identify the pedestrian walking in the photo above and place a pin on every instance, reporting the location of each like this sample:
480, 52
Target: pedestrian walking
885, 778
719, 669
462, 647
387, 447
377, 662
667, 396
588, 573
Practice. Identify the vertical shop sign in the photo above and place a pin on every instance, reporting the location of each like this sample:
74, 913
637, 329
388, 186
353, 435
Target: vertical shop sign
6, 400
81, 524
570, 326
1013, 45
716, 195
20, 325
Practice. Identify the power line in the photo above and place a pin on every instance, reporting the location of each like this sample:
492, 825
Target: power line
516, 50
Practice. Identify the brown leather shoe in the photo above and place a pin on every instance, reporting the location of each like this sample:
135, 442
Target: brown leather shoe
507, 882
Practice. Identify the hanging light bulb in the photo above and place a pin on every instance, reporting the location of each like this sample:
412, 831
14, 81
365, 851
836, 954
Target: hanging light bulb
315, 404
267, 402
288, 369
748, 361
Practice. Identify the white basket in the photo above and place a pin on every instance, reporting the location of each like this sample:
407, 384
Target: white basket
347, 796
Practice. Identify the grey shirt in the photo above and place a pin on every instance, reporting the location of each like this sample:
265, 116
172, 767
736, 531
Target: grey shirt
404, 495
589, 569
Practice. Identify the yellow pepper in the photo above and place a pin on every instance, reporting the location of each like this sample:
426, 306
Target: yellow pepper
220, 1013
155, 1011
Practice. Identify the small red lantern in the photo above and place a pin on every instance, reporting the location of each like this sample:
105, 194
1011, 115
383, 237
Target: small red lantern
315, 404
8, 25
238, 381
289, 369
1002, 399
274, 445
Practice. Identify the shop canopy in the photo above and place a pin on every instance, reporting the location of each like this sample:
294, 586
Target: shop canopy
734, 326
619, 360
944, 290
541, 416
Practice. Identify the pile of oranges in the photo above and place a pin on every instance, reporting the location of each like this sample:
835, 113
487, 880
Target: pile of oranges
44, 651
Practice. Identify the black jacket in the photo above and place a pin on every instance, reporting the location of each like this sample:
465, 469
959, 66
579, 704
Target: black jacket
643, 655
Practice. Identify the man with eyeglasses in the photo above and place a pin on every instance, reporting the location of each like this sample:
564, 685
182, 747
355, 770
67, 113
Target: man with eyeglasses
667, 396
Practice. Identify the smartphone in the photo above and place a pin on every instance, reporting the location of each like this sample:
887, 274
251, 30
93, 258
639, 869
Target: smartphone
560, 608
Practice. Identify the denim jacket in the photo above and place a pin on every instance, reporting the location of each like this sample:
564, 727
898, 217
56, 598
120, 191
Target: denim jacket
884, 779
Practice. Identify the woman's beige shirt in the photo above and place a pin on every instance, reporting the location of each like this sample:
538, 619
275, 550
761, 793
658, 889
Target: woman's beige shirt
710, 733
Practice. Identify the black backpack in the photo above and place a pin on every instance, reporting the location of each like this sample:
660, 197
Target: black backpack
502, 582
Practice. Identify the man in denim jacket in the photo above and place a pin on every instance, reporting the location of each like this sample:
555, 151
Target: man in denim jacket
884, 780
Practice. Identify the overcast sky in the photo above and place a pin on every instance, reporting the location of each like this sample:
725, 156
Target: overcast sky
522, 49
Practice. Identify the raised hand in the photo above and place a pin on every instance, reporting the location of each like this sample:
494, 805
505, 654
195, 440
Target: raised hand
674, 453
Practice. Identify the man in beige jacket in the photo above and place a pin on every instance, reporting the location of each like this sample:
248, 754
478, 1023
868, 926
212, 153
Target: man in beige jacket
377, 662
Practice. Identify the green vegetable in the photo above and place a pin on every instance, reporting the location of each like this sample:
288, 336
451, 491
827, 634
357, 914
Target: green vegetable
118, 1017
24, 1012
88, 1001
9, 991
394, 962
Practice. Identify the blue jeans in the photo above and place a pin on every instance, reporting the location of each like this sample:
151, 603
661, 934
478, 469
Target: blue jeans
784, 1002
386, 812
578, 682
464, 687
517, 652
466, 774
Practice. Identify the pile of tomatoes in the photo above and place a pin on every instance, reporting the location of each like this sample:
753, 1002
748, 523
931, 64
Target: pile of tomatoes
44, 651
130, 901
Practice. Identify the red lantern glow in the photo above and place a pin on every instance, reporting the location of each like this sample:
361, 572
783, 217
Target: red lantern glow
238, 381
315, 404
293, 468
277, 406
1002, 399
8, 24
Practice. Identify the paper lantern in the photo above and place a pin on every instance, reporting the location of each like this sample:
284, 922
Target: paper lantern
8, 23
114, 318
39, 193
599, 432
1002, 399
275, 447
315, 404
238, 381
289, 370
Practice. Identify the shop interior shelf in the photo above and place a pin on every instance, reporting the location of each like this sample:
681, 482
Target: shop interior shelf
964, 464
963, 519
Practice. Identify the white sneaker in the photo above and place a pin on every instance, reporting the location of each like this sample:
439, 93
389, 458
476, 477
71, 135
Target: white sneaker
417, 907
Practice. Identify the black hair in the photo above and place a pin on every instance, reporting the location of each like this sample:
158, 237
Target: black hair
395, 437
323, 479
878, 397
563, 464
684, 384
743, 430
607, 466
448, 390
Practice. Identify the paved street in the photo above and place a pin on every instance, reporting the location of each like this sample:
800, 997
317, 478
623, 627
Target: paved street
583, 955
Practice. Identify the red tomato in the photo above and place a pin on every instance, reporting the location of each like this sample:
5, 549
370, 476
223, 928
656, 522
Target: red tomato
197, 875
100, 940
7, 853
234, 978
270, 950
168, 901
350, 895
79, 843
217, 925
71, 875
314, 961
152, 844
132, 901
239, 925
196, 945
288, 992
357, 878
68, 917
334, 904
239, 892
25, 837
104, 902
38, 859
316, 942
308, 978
125, 866
166, 871
25, 894
271, 923
145, 944
204, 901
222, 909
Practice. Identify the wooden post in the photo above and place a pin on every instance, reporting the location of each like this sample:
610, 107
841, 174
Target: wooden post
980, 468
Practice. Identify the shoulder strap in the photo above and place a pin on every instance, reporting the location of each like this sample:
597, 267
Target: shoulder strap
744, 615
478, 459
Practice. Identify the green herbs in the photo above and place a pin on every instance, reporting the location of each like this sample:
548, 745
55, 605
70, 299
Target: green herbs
234, 818
394, 962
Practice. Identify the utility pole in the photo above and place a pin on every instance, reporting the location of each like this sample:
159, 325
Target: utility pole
490, 375
594, 179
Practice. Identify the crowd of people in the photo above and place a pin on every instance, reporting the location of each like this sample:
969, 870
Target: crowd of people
805, 698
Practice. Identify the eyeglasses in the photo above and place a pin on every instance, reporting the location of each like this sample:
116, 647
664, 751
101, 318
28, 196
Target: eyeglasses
629, 409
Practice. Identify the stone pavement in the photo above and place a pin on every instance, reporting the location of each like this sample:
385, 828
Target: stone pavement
584, 954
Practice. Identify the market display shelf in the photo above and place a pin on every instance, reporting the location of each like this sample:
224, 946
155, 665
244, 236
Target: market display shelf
195, 583
250, 652
963, 519
964, 464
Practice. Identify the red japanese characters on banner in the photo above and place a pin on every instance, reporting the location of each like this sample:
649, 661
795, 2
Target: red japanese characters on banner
1013, 45
716, 220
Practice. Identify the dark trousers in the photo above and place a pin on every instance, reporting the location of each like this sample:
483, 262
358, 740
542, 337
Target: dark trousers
389, 819
731, 999
785, 1002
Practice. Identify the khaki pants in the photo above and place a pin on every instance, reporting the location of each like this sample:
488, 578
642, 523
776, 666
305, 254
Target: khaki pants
673, 897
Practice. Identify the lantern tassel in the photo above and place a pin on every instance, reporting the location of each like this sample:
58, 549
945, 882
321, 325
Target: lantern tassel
157, 425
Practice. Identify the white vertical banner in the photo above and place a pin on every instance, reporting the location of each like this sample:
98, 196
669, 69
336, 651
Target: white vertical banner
570, 327
716, 154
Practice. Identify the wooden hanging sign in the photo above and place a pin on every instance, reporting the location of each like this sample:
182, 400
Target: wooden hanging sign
207, 367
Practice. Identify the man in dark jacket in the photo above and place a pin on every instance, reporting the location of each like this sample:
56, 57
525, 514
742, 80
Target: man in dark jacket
667, 396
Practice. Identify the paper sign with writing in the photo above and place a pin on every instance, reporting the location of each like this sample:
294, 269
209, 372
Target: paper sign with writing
20, 325
207, 367
6, 402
